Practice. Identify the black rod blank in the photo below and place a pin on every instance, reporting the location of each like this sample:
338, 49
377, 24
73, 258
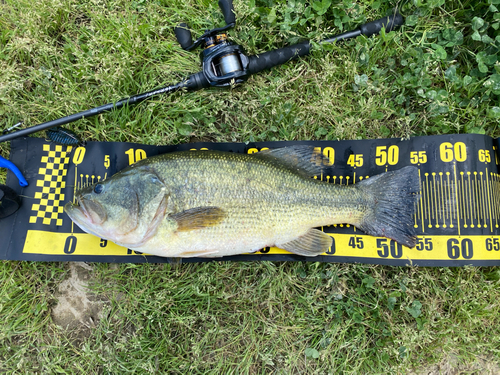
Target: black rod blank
91, 112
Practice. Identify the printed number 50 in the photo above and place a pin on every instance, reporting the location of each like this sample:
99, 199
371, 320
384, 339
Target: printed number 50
387, 155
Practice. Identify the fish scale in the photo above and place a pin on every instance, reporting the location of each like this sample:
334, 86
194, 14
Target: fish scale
255, 190
210, 203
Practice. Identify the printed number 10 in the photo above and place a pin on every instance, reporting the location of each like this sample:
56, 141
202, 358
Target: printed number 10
134, 157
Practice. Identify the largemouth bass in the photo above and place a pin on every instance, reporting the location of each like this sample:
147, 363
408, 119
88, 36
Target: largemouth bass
213, 204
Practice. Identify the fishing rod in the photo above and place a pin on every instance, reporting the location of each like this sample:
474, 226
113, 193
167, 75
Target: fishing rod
224, 64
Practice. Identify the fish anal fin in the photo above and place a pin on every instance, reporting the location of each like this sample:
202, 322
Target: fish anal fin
311, 244
198, 218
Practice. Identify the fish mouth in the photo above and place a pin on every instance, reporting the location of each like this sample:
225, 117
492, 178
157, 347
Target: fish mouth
85, 211
76, 211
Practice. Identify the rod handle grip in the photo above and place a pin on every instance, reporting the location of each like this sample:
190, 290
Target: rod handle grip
267, 60
390, 23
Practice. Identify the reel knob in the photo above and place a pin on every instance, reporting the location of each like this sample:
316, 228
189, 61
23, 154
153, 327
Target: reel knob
183, 35
228, 11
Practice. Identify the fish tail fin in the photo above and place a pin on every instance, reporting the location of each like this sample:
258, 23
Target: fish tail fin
392, 198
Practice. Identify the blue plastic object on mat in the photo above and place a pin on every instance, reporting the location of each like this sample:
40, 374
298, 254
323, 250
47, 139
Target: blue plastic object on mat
4, 163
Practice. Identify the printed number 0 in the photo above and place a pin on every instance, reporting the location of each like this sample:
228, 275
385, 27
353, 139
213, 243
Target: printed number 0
79, 155
70, 245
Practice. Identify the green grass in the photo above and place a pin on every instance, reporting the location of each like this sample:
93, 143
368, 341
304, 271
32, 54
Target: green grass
439, 74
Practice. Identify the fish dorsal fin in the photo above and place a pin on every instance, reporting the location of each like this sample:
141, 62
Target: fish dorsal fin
198, 218
311, 244
302, 159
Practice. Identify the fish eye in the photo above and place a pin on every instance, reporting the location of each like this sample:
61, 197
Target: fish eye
98, 189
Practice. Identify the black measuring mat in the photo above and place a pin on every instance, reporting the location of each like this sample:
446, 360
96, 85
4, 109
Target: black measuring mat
457, 218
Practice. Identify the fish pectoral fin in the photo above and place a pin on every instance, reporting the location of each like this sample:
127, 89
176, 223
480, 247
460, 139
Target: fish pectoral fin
198, 218
311, 244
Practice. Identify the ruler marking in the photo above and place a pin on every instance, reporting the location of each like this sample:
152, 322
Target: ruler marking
428, 211
489, 200
473, 199
497, 192
439, 199
479, 200
495, 200
483, 197
453, 213
436, 198
479, 207
486, 201
450, 206
461, 197
421, 201
443, 199
470, 201
464, 205
74, 194
476, 199
456, 195
415, 215
424, 201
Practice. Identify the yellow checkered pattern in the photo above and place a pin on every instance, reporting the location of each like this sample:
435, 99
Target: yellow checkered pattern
50, 184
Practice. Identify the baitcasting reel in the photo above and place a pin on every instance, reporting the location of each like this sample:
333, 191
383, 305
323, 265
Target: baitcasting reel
224, 63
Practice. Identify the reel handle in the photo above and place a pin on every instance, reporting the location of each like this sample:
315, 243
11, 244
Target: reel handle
228, 11
183, 35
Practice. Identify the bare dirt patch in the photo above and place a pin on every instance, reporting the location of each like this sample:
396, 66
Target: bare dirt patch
77, 309
450, 365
